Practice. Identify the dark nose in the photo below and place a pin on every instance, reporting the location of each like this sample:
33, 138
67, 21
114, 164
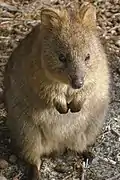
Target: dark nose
77, 83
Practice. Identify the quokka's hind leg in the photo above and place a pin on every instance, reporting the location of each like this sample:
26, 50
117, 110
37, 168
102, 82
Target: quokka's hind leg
30, 142
33, 172
88, 156
32, 155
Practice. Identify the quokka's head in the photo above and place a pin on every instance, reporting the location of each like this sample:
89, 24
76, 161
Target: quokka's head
67, 47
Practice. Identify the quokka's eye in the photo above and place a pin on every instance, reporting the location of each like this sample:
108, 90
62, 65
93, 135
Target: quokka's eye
87, 57
62, 58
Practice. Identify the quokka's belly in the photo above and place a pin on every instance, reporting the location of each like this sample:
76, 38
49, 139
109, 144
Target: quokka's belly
60, 131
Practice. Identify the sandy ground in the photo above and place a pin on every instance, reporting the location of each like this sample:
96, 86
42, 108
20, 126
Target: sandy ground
16, 20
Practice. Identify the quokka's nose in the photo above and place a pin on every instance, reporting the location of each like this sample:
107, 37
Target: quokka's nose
77, 83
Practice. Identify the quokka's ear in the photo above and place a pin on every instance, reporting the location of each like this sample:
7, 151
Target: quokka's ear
88, 15
50, 18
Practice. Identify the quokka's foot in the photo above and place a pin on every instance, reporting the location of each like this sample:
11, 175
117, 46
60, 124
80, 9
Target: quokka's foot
33, 173
88, 157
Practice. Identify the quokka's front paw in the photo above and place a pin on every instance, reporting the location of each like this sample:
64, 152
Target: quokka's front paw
74, 106
61, 107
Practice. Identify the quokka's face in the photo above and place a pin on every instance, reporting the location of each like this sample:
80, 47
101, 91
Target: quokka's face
66, 48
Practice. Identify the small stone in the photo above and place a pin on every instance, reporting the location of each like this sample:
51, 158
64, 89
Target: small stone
3, 164
1, 90
95, 161
118, 43
118, 157
2, 178
112, 162
13, 159
61, 168
107, 37
108, 14
105, 159
55, 2
113, 32
9, 140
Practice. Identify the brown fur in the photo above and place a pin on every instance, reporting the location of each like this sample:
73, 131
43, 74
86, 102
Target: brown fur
38, 86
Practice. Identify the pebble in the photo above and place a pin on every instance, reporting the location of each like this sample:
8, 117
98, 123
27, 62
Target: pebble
3, 164
113, 32
118, 43
95, 161
13, 159
112, 162
62, 168
1, 90
54, 1
2, 178
118, 157
108, 14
